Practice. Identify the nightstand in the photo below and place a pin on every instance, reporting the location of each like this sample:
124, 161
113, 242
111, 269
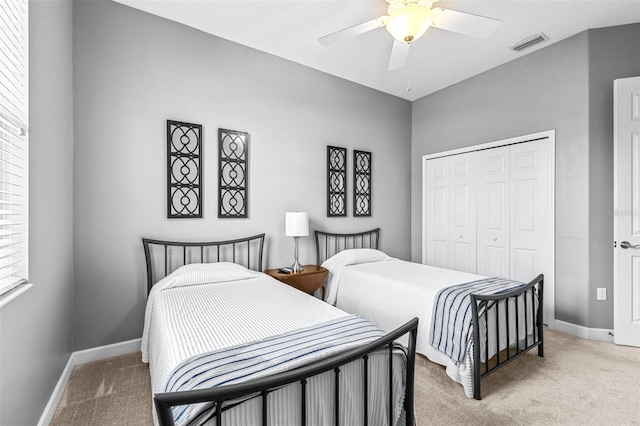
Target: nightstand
310, 279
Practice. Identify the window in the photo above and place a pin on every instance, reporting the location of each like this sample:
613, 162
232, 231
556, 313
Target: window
14, 152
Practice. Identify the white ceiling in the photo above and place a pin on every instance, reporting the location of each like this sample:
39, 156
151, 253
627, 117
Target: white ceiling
290, 29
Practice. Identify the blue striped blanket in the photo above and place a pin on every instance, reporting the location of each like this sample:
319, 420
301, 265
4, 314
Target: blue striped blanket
264, 357
451, 322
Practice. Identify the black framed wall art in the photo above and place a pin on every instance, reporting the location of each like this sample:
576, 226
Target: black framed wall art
336, 181
361, 183
233, 186
184, 170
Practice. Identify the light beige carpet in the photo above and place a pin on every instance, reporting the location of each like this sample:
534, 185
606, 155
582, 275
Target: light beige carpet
578, 382
114, 391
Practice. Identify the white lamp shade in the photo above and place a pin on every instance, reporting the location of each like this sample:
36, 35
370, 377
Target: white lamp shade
296, 224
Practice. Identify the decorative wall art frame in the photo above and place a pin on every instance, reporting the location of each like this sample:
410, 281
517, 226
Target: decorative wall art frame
336, 181
233, 189
184, 170
361, 183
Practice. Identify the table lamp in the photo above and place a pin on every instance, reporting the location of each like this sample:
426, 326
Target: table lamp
296, 225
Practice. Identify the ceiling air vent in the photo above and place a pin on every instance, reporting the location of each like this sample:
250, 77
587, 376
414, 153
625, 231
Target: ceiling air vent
529, 41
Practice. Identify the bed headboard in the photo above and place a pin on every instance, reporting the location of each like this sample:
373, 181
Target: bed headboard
328, 243
164, 257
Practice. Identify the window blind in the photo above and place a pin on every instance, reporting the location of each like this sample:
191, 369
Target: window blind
14, 152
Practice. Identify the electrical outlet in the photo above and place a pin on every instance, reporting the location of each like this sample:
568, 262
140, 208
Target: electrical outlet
602, 293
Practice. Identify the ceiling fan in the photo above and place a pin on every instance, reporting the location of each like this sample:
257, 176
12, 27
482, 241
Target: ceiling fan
408, 20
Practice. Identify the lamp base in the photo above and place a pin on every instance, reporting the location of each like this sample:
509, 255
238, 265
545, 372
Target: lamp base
296, 267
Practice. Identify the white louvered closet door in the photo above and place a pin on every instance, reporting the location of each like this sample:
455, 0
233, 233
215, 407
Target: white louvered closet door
437, 212
462, 214
493, 212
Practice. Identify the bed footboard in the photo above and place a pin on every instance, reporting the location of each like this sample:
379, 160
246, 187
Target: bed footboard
261, 387
489, 310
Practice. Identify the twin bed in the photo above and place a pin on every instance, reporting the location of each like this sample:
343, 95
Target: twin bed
504, 318
227, 344
222, 337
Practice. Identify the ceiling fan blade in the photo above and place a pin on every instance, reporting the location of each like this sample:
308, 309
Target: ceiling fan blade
350, 32
464, 23
399, 55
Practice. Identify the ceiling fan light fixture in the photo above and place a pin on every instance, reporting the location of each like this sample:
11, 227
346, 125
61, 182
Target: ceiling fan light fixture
409, 23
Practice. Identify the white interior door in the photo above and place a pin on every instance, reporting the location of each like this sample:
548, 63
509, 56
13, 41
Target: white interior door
493, 212
626, 286
462, 224
437, 212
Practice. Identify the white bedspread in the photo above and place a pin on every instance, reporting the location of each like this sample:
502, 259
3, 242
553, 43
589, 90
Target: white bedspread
389, 293
188, 320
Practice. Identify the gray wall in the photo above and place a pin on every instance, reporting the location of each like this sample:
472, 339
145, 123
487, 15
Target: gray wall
132, 72
613, 53
35, 328
561, 87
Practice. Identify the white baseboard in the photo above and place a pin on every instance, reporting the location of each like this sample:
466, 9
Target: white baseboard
584, 332
102, 352
54, 400
82, 357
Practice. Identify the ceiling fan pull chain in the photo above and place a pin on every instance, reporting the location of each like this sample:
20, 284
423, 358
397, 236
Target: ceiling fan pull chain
408, 77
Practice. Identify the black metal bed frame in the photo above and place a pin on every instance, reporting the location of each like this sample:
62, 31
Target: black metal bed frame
481, 305
328, 244
262, 387
334, 243
239, 251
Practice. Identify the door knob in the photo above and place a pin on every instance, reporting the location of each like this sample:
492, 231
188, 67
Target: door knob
628, 245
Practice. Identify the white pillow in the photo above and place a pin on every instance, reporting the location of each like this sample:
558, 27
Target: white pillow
354, 257
204, 273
